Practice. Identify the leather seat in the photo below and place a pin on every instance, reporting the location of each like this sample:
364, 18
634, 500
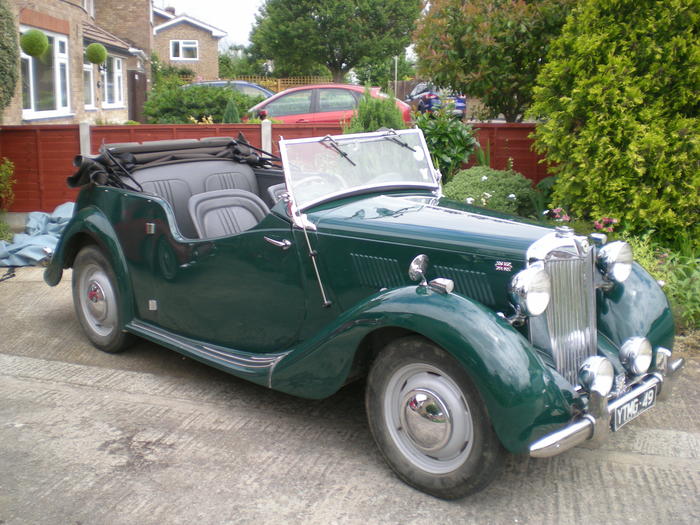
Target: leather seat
225, 212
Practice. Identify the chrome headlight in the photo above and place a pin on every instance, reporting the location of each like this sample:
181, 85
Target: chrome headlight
531, 290
636, 355
615, 261
597, 374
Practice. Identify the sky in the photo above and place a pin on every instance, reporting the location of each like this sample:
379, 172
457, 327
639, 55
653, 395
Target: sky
236, 17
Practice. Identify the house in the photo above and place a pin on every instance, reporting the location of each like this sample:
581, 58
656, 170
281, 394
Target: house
62, 87
183, 41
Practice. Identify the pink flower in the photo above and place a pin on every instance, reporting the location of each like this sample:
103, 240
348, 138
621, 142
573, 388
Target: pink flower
597, 225
566, 218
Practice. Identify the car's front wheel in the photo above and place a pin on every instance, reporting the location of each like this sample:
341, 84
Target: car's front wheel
429, 420
96, 300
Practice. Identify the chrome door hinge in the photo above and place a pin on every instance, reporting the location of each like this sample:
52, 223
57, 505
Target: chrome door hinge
150, 228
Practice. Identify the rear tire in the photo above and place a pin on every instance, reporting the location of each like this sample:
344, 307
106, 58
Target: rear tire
96, 301
429, 420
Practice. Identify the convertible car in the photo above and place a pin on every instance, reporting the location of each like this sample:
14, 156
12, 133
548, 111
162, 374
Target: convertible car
478, 334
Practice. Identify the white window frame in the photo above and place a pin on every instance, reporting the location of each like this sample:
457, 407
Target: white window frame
89, 69
118, 80
189, 43
59, 59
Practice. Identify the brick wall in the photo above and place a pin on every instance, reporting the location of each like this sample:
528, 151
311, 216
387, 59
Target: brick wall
207, 67
130, 20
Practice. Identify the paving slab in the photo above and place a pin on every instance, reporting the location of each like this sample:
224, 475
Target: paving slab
152, 437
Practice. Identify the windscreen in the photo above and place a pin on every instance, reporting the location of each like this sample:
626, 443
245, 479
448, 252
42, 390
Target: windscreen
320, 169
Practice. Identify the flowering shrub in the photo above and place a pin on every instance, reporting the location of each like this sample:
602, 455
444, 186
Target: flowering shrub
502, 190
606, 224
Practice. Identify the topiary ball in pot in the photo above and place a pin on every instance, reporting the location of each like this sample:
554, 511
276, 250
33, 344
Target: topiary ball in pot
96, 53
34, 42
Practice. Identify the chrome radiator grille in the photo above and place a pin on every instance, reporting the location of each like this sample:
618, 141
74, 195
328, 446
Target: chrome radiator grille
571, 315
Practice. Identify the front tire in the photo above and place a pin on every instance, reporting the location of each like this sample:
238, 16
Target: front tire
429, 420
96, 301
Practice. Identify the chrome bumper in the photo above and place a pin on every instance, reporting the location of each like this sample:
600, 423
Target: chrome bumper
595, 425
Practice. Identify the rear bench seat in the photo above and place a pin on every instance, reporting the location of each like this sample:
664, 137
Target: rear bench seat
177, 183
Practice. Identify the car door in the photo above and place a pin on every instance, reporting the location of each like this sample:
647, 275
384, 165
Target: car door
292, 108
335, 105
242, 292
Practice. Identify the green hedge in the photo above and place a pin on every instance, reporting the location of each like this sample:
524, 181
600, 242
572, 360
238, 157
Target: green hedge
502, 190
175, 105
619, 103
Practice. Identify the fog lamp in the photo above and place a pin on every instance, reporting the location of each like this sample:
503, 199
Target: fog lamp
636, 355
597, 374
615, 261
531, 290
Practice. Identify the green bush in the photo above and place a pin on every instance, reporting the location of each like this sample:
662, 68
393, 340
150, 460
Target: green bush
619, 99
374, 113
506, 191
174, 105
231, 114
450, 141
7, 195
9, 56
679, 273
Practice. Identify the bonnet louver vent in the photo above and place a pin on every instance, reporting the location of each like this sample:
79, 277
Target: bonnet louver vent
377, 272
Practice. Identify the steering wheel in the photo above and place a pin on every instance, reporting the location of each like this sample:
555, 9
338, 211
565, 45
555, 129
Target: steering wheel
324, 179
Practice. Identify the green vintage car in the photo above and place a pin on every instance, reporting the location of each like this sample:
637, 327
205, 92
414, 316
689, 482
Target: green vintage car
478, 333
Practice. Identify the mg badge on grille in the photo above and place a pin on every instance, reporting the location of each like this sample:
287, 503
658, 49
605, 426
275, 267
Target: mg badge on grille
504, 266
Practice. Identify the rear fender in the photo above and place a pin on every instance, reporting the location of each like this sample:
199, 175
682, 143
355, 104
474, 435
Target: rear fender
520, 393
91, 226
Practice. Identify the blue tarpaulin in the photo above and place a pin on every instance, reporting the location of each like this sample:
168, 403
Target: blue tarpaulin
39, 241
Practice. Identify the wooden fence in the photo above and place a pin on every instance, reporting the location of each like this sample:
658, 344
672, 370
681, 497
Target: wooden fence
280, 84
43, 155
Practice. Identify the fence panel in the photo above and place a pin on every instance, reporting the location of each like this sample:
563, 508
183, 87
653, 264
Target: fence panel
43, 158
43, 155
114, 134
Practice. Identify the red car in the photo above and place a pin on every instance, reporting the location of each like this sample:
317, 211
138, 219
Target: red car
328, 103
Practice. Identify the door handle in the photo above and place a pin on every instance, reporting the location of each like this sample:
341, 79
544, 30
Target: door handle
284, 243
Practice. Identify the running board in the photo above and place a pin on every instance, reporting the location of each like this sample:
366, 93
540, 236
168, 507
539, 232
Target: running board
254, 367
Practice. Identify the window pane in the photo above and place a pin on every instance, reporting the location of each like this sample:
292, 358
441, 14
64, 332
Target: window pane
44, 80
87, 87
26, 91
189, 51
62, 47
118, 80
63, 76
292, 104
175, 48
109, 84
336, 100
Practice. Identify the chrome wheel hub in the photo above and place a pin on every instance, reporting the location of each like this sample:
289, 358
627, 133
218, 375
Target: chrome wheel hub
428, 418
96, 301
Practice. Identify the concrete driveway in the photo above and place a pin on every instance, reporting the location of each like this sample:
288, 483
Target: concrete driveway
150, 437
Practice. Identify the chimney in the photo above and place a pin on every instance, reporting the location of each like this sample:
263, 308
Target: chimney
170, 10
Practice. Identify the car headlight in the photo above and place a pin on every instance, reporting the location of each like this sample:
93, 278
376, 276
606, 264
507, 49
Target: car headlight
597, 374
531, 290
615, 261
636, 355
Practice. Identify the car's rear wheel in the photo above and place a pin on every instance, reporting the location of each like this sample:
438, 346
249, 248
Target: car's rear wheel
429, 420
96, 300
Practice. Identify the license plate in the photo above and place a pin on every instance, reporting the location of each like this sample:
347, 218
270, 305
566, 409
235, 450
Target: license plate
634, 407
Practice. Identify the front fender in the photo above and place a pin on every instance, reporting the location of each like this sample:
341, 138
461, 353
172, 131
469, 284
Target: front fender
520, 393
637, 307
90, 225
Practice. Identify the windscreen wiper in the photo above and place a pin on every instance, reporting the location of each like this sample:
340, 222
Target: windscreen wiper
329, 142
393, 137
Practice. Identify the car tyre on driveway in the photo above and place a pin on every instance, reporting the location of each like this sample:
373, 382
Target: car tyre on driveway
96, 301
429, 420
